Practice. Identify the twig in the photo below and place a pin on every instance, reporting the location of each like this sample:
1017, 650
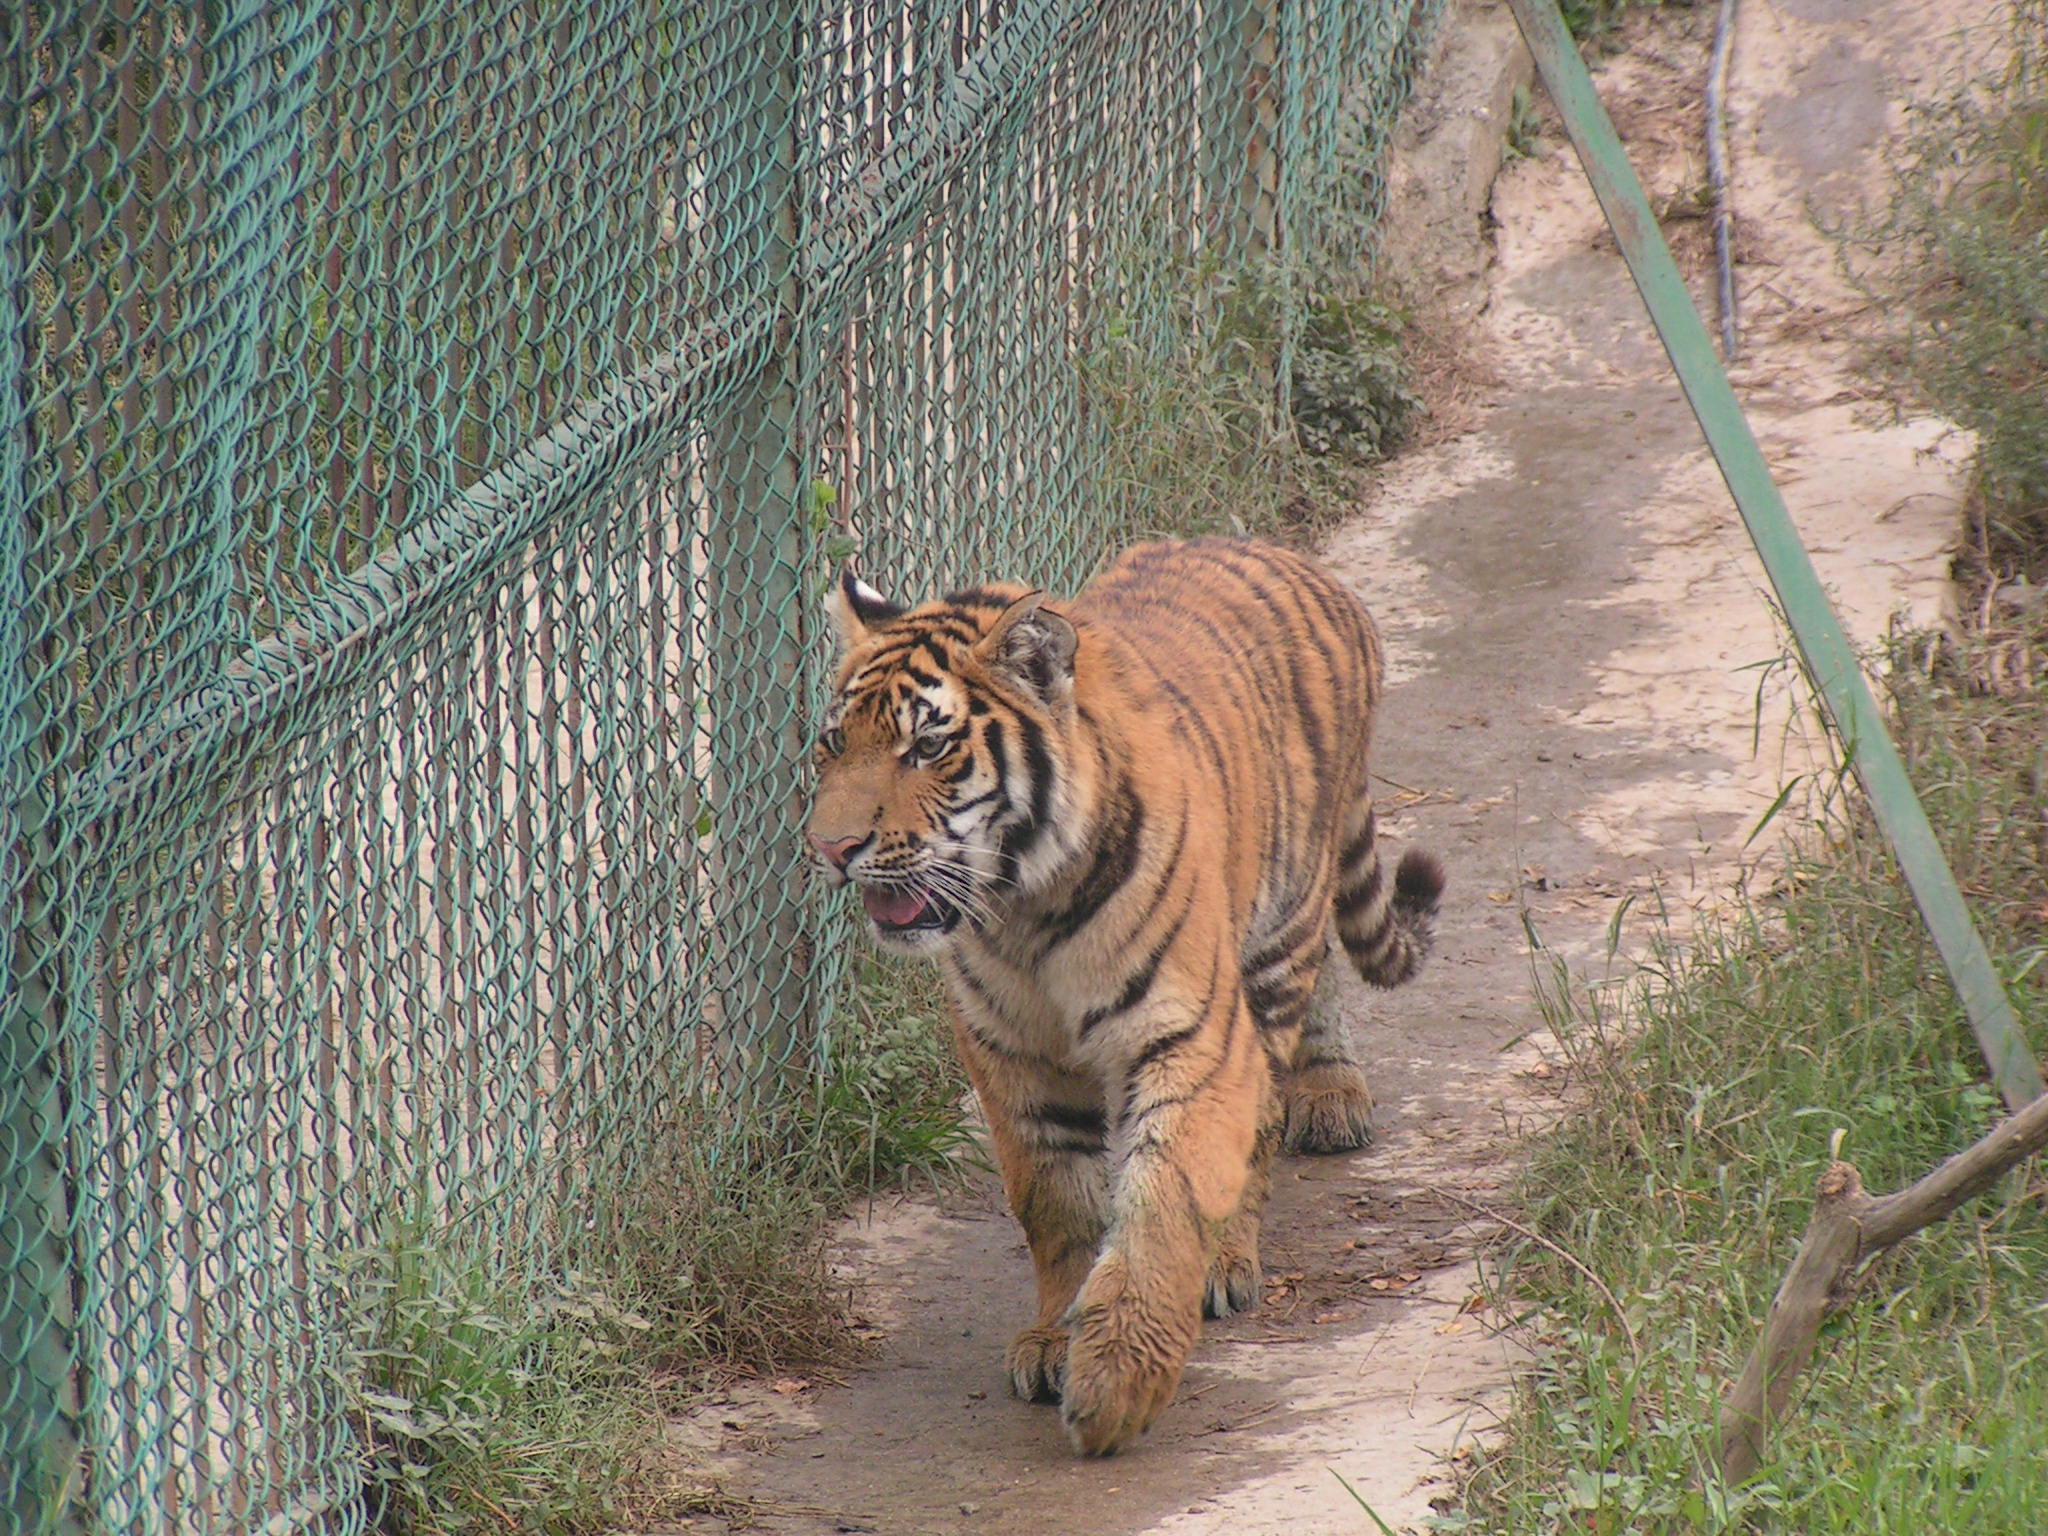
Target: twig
1635, 1347
1422, 796
1406, 789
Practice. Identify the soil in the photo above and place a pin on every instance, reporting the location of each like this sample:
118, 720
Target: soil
1589, 714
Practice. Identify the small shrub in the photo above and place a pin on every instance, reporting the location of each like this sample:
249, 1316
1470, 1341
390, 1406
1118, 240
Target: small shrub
1350, 396
1248, 404
1969, 221
481, 1404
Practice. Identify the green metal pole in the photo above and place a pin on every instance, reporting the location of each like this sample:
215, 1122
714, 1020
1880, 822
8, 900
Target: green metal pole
39, 1450
1829, 660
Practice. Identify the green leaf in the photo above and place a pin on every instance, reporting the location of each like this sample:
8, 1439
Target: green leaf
820, 497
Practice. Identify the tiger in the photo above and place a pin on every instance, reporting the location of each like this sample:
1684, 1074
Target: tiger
1124, 827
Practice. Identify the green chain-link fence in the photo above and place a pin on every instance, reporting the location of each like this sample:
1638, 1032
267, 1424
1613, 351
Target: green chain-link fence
428, 431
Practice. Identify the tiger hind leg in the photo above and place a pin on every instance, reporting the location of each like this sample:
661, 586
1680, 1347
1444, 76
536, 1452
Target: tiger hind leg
1326, 1104
1386, 933
1323, 1102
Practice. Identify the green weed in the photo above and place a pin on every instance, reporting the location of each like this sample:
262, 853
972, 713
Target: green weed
1525, 127
1250, 408
1970, 219
1710, 1091
485, 1404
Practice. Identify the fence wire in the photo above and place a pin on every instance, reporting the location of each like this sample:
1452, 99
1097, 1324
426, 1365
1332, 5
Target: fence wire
430, 431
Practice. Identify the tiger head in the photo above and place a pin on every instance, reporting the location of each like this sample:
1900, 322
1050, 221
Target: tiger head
943, 757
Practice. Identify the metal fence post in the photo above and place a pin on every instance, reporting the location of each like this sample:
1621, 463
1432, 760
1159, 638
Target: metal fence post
38, 1390
1244, 172
754, 610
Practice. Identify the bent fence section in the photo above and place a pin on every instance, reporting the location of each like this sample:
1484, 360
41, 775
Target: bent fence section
429, 429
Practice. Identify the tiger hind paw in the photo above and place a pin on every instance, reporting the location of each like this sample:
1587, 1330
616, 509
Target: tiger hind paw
1328, 1108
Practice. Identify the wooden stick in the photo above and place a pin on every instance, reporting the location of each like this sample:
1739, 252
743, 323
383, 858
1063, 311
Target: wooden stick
1847, 1230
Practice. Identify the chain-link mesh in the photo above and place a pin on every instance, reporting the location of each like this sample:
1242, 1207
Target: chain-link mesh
430, 431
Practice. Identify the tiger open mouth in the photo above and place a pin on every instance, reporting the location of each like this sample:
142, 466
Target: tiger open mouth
896, 909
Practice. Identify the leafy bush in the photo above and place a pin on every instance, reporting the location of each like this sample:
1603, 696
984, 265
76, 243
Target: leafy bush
1251, 406
1971, 219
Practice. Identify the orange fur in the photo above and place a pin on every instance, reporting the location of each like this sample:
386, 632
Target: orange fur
1127, 827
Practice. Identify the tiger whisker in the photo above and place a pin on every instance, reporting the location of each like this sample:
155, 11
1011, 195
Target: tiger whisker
987, 876
962, 887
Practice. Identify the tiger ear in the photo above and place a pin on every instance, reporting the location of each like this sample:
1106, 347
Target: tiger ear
856, 607
1033, 645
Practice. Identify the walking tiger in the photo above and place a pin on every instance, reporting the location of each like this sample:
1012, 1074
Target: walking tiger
1125, 827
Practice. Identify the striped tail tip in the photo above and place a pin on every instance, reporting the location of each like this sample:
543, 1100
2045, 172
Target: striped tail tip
1388, 939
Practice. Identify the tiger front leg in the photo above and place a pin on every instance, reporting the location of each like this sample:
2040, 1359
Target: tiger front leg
1063, 1215
1234, 1274
1184, 1146
1050, 1137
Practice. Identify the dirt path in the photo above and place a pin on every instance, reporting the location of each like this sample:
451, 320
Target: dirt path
1577, 641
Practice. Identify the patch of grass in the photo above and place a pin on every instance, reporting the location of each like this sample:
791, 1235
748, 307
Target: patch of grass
1594, 22
1249, 404
481, 1405
1970, 224
1708, 1093
1525, 128
489, 1402
725, 1240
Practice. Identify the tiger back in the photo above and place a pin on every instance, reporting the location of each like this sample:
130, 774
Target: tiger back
1127, 828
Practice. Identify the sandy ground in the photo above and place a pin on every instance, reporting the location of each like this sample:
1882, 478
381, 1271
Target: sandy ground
1586, 718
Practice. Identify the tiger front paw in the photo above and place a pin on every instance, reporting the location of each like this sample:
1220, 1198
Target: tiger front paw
1124, 1360
1037, 1364
1328, 1108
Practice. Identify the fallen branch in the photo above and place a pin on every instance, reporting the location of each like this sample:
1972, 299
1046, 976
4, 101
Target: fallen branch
1848, 1229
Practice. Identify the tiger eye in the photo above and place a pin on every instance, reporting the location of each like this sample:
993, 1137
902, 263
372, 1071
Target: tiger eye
928, 748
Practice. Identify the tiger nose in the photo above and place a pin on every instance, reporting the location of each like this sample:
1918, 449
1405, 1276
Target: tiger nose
836, 850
